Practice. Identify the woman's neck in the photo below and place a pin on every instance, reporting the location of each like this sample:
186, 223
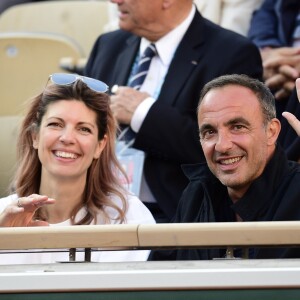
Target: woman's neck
68, 195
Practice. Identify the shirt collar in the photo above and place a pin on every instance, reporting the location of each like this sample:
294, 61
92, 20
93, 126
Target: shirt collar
167, 45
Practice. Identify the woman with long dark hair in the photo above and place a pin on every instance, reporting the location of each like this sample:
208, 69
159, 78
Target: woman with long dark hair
67, 170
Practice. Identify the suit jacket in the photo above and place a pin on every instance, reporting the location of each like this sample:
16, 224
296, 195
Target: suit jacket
169, 134
274, 23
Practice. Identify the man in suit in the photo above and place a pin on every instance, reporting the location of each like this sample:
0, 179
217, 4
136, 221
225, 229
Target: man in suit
191, 51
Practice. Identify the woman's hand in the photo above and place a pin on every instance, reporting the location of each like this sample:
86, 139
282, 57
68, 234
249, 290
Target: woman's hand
20, 213
293, 121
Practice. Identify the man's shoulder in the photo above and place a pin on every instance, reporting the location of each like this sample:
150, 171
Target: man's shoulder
198, 172
214, 40
294, 168
216, 32
194, 171
116, 36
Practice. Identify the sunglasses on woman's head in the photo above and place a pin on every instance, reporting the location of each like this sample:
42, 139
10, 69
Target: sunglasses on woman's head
67, 79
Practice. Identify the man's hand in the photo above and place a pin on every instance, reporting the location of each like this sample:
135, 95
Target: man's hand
124, 103
281, 68
293, 121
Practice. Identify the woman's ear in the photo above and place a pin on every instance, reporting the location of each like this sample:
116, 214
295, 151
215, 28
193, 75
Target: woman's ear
274, 128
101, 145
35, 140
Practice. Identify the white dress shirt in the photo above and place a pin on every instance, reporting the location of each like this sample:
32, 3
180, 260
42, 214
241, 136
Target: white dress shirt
159, 66
154, 80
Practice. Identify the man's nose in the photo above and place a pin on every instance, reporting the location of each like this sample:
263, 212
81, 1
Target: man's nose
223, 142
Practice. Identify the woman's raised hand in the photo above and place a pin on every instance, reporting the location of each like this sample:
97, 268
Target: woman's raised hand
20, 213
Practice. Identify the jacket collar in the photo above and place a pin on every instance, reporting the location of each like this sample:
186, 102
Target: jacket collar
186, 59
125, 60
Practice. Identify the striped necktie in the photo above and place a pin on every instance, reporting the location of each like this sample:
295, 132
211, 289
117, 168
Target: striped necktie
136, 82
138, 78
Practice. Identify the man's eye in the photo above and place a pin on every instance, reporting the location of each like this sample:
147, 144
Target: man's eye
207, 134
238, 127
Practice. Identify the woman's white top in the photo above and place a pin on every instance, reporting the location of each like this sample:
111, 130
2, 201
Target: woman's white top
137, 213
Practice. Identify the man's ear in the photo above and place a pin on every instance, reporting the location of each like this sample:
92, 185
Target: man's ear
101, 145
274, 128
167, 3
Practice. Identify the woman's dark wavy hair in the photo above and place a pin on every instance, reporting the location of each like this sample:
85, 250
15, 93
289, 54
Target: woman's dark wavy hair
101, 181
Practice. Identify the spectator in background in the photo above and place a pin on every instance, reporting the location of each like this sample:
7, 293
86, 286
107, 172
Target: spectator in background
275, 29
230, 14
67, 169
190, 51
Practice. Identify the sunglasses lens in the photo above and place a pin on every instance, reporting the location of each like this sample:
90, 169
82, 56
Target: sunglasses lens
66, 79
63, 79
96, 85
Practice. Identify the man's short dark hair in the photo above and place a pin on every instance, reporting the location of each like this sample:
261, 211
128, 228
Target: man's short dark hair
263, 93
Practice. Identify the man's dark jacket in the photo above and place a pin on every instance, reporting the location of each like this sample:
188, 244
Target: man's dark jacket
169, 134
274, 196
